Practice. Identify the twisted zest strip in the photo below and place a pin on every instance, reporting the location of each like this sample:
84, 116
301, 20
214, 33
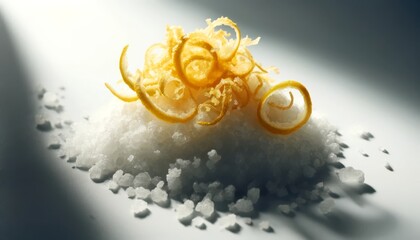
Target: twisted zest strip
205, 74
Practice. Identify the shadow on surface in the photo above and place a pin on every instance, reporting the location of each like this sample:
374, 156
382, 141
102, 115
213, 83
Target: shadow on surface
34, 204
377, 40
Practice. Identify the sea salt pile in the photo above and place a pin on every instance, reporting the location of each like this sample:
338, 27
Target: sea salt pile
226, 166
128, 138
218, 173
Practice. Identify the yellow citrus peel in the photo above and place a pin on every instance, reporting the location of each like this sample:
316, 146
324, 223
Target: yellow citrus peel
205, 74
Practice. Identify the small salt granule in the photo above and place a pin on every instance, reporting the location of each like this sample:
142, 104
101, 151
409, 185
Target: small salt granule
327, 205
140, 209
199, 223
185, 211
54, 143
350, 175
213, 156
205, 207
228, 222
248, 221
384, 150
389, 167
42, 124
159, 196
265, 226
51, 102
366, 136
285, 208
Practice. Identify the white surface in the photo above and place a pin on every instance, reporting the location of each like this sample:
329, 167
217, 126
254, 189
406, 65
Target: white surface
77, 46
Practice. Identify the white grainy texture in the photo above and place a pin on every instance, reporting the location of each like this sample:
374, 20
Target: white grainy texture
350, 175
327, 205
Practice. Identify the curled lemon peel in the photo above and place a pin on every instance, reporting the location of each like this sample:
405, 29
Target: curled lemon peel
207, 73
271, 125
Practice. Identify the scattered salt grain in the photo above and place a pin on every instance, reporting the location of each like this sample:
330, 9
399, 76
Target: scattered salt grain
265, 226
228, 222
366, 136
285, 209
389, 167
253, 194
140, 209
384, 150
54, 143
205, 207
327, 205
185, 211
42, 123
142, 180
199, 223
131, 193
113, 186
364, 154
142, 193
350, 175
51, 101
